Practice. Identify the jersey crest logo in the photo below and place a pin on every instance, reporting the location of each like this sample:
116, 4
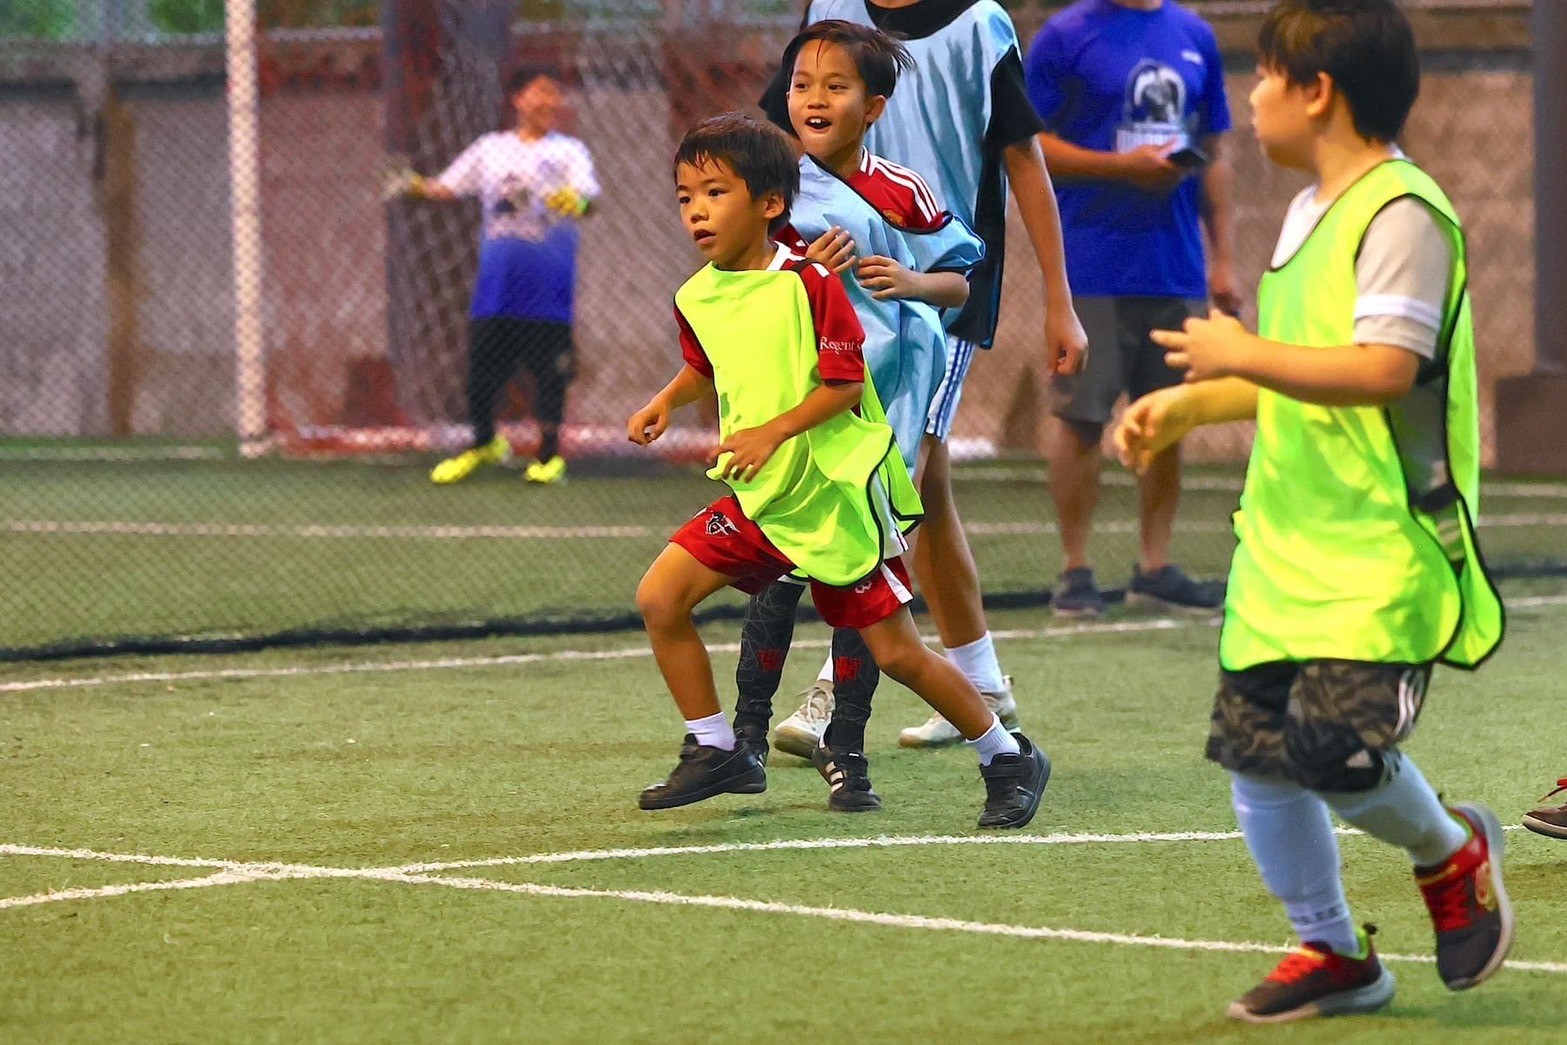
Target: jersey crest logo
893, 217
720, 525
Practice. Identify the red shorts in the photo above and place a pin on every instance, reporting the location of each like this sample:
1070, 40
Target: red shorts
721, 538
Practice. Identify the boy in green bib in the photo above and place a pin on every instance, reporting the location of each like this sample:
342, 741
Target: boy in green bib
816, 480
1356, 567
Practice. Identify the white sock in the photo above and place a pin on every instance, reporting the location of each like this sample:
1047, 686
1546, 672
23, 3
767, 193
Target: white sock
712, 731
826, 675
1290, 835
978, 662
1404, 811
994, 741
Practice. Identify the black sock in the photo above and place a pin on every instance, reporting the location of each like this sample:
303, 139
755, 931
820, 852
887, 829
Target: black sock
855, 676
549, 443
764, 645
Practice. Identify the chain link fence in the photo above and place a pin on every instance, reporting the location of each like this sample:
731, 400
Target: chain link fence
228, 365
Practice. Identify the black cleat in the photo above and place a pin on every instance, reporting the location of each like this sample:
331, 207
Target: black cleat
755, 738
704, 772
848, 775
1014, 784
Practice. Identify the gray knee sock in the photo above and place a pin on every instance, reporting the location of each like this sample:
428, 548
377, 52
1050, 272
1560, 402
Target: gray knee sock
1404, 811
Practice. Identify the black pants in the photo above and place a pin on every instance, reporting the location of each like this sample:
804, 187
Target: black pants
497, 346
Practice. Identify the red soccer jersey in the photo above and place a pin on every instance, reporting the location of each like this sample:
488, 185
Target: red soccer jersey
899, 193
840, 339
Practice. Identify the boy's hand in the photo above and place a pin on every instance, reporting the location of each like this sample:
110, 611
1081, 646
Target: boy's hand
885, 278
401, 181
1066, 343
1151, 425
1207, 349
749, 450
648, 423
833, 249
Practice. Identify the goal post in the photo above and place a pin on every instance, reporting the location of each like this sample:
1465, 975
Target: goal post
244, 157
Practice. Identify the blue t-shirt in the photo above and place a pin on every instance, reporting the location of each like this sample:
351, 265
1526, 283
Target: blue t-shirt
1111, 78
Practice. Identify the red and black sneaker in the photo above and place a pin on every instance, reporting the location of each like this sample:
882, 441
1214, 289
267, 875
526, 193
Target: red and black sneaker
1315, 980
1468, 905
1549, 820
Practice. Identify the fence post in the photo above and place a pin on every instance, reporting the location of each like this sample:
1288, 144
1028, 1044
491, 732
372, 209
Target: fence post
1531, 410
244, 138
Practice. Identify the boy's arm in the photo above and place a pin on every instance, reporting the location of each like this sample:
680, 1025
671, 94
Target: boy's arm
685, 388
885, 278
1161, 419
1218, 217
1346, 375
1065, 341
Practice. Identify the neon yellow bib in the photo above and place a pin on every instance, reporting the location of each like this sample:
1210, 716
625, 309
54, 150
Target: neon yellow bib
829, 497
1356, 526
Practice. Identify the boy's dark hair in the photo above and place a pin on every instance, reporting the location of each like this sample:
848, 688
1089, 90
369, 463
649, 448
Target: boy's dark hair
759, 154
1366, 46
878, 57
524, 73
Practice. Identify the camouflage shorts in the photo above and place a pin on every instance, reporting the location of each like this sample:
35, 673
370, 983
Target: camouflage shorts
1325, 724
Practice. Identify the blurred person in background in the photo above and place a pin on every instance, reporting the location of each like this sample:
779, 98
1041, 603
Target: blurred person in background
534, 183
1132, 94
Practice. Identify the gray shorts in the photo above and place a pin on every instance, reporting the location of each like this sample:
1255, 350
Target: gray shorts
1121, 356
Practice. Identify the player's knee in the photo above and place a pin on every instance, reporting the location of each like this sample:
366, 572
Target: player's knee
1084, 433
902, 663
1334, 760
660, 607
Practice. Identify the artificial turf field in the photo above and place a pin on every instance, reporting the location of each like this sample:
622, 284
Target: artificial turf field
282, 812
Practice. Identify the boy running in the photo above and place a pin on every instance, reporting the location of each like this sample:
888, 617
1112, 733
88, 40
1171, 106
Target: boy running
817, 483
902, 260
963, 119
1356, 566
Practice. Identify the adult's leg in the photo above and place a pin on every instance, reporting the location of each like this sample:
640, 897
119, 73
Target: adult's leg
1159, 488
1074, 486
1083, 402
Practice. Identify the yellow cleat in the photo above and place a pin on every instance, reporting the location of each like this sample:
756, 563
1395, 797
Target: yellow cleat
546, 472
456, 469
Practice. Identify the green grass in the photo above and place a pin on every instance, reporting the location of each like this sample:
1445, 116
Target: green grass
375, 769
78, 587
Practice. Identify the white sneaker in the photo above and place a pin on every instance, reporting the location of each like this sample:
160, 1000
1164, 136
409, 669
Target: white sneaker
936, 731
801, 732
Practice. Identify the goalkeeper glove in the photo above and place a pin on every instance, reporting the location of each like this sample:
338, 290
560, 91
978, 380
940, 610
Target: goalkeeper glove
567, 202
402, 181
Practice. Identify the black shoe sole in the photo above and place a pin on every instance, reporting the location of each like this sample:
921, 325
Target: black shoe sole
854, 802
752, 782
1019, 817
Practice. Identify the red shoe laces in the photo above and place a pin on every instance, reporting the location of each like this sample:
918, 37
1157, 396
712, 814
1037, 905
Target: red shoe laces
1449, 903
1297, 965
1561, 785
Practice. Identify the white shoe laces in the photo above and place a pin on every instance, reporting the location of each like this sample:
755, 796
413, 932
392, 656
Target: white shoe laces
817, 707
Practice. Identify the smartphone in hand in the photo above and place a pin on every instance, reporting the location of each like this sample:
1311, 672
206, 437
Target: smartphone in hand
1189, 157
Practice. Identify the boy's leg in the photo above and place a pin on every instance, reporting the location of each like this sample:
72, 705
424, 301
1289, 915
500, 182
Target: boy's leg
711, 762
1014, 769
765, 637
493, 352
1290, 835
1333, 727
551, 359
840, 753
949, 579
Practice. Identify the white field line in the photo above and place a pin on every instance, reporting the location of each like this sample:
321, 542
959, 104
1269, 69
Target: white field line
1230, 484
351, 531
896, 921
236, 874
507, 660
58, 895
